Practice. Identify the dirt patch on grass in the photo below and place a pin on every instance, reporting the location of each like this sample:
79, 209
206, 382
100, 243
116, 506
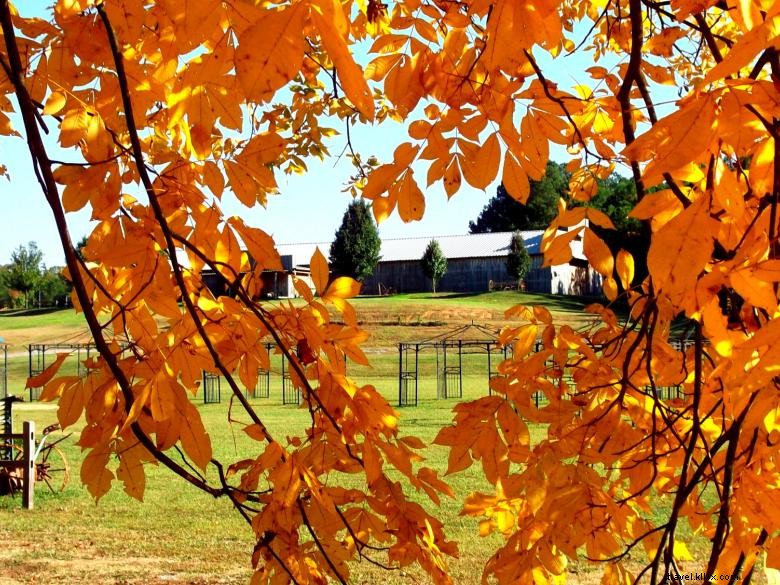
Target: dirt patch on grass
83, 563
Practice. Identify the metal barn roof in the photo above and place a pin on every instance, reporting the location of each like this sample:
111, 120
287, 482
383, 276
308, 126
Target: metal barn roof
399, 249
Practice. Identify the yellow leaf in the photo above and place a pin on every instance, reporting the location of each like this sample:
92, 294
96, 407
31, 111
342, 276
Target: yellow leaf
319, 271
48, 373
270, 52
515, 179
625, 268
610, 288
681, 552
485, 164
598, 253
342, 287
329, 17
411, 203
54, 103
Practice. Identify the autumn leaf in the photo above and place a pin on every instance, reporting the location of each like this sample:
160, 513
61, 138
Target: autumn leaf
515, 180
332, 24
342, 287
598, 253
680, 250
270, 52
320, 273
625, 268
95, 473
411, 203
677, 139
51, 370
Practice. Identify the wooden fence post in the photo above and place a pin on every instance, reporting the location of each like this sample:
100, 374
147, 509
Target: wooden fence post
28, 474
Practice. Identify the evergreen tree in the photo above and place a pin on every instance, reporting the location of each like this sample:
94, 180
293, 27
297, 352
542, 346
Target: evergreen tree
434, 263
518, 261
355, 248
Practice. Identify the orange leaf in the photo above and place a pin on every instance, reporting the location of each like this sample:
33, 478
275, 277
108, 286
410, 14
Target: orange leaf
452, 179
484, 166
677, 139
625, 268
194, 438
256, 432
598, 253
680, 250
536, 149
610, 288
319, 271
270, 52
411, 203
515, 179
95, 474
48, 373
329, 17
71, 403
54, 103
559, 250
131, 471
342, 287
259, 244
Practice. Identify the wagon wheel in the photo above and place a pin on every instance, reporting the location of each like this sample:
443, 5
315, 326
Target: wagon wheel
10, 477
52, 468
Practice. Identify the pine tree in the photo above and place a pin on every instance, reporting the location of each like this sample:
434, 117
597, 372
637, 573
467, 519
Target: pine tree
355, 248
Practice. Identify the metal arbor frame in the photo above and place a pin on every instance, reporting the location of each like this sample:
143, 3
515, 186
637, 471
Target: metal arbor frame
466, 339
290, 394
3, 371
36, 355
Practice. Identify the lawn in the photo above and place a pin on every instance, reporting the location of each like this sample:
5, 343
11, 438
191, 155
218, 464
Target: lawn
179, 535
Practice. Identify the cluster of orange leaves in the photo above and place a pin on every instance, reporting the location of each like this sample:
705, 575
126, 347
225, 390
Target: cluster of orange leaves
194, 99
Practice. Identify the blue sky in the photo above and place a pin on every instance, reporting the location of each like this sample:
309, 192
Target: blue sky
308, 209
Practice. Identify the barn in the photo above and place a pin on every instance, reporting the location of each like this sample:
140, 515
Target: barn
475, 263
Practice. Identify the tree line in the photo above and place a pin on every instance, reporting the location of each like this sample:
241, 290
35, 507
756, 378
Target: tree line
27, 282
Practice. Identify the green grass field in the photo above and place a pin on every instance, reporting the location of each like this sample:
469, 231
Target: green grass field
179, 535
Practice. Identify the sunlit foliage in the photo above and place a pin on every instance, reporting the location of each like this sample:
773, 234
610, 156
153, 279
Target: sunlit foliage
166, 106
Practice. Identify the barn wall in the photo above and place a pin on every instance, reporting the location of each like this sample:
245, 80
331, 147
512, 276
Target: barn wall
463, 275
